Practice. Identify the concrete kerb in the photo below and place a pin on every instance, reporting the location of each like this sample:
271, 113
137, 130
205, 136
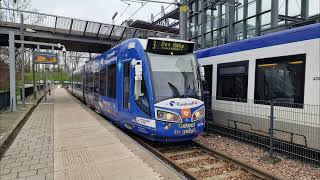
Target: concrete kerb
6, 141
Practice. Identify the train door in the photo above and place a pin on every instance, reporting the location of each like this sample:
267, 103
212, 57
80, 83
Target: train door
207, 86
125, 100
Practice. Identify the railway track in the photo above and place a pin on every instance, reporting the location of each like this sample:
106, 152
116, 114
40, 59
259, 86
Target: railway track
196, 161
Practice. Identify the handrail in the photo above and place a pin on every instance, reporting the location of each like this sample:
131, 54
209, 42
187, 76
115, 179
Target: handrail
85, 21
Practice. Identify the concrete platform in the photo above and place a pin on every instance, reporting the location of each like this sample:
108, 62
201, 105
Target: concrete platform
86, 146
63, 140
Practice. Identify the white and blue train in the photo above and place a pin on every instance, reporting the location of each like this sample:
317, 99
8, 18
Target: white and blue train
243, 77
151, 87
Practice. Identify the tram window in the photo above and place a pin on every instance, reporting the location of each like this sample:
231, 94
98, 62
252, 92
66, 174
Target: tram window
87, 81
96, 81
126, 84
143, 101
103, 82
112, 77
280, 79
91, 82
232, 84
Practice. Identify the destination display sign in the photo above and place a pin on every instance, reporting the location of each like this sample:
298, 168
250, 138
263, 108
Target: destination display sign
45, 58
169, 47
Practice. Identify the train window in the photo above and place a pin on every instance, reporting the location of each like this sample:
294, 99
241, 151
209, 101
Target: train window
143, 101
126, 84
103, 79
112, 78
280, 79
232, 84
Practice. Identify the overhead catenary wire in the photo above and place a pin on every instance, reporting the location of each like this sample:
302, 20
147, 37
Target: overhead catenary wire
122, 13
135, 12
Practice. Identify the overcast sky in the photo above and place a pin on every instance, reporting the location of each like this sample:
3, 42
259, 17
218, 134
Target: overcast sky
103, 10
96, 10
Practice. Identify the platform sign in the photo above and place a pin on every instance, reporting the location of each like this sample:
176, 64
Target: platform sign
169, 47
45, 57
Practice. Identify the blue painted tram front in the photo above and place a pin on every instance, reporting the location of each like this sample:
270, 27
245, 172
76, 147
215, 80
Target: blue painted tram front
151, 87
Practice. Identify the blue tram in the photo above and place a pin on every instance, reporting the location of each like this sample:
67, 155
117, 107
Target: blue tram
151, 87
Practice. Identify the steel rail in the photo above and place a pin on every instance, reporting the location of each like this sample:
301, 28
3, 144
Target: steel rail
176, 166
256, 170
241, 164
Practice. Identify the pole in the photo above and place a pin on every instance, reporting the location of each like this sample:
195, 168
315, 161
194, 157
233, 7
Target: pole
38, 71
305, 9
183, 19
274, 13
231, 15
22, 60
13, 103
271, 128
34, 79
45, 81
203, 22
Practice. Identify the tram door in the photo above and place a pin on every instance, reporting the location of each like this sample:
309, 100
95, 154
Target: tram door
125, 107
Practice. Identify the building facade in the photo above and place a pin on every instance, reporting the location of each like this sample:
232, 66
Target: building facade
216, 22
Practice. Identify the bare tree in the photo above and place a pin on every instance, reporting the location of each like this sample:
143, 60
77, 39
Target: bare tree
16, 4
9, 15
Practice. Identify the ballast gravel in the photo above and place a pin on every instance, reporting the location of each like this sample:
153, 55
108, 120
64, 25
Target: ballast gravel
292, 169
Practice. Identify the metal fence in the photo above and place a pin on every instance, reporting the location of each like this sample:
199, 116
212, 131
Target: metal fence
72, 26
283, 127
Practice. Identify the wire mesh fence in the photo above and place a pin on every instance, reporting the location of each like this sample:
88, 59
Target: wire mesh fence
279, 126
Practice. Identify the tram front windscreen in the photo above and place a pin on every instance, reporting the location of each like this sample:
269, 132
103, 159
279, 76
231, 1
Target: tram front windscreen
174, 76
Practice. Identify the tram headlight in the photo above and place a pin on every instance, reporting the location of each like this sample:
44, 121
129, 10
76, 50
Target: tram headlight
167, 116
198, 114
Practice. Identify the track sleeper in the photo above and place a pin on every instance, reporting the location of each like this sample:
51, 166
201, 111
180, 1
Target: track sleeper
188, 160
207, 167
181, 153
226, 175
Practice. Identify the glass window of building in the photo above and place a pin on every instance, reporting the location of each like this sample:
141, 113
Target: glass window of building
238, 31
239, 13
251, 27
224, 36
265, 5
294, 8
280, 79
265, 21
252, 8
314, 7
214, 38
208, 39
232, 84
282, 6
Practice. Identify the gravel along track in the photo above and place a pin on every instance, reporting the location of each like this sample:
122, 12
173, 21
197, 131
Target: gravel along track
201, 163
